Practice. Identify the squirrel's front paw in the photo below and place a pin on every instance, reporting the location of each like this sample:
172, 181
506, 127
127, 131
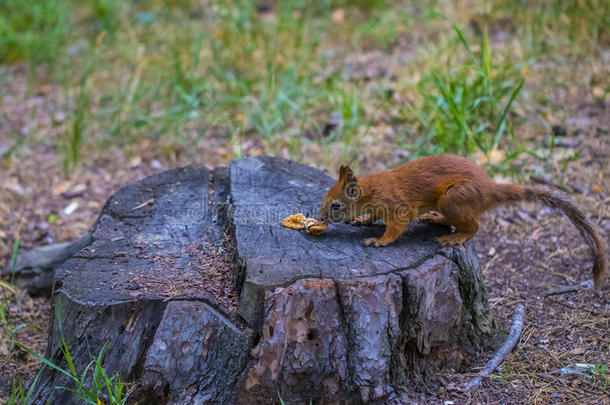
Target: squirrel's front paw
362, 220
375, 242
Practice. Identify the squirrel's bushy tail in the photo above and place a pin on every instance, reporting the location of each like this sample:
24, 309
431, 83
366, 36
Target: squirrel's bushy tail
506, 193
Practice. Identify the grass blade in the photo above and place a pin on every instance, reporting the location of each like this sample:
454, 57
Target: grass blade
486, 52
45, 361
26, 400
8, 287
464, 130
465, 44
14, 262
66, 353
80, 395
2, 312
502, 122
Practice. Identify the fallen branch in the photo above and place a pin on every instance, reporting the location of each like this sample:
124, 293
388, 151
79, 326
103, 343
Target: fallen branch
507, 347
571, 288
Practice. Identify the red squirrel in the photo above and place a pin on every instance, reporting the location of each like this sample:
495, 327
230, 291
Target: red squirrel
455, 188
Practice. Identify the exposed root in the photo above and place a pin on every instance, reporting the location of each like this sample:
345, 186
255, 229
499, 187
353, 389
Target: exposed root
507, 347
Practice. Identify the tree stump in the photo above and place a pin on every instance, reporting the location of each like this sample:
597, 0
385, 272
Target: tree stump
205, 298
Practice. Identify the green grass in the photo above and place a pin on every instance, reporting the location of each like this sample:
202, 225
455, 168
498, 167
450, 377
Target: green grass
601, 371
73, 138
19, 395
176, 72
92, 384
9, 326
559, 28
465, 105
36, 31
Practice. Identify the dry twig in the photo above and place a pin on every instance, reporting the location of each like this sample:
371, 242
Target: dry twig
571, 288
150, 201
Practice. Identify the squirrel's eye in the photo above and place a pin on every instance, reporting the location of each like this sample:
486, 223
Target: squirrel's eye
335, 206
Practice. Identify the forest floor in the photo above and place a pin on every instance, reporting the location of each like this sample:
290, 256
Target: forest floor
525, 251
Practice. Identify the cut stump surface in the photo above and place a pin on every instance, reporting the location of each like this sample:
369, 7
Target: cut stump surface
204, 297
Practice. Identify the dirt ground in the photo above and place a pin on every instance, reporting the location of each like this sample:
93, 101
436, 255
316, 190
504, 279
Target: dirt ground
524, 251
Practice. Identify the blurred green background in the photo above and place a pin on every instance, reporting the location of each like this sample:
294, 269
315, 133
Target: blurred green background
315, 81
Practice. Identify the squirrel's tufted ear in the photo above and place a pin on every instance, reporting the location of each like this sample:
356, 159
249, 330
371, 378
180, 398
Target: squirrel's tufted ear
345, 173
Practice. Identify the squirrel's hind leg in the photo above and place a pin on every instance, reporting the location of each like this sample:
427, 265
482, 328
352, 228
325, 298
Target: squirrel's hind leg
466, 228
454, 238
460, 208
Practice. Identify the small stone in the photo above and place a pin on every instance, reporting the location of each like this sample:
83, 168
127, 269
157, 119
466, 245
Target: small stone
155, 164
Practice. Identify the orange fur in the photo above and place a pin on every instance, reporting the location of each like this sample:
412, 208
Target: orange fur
455, 187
